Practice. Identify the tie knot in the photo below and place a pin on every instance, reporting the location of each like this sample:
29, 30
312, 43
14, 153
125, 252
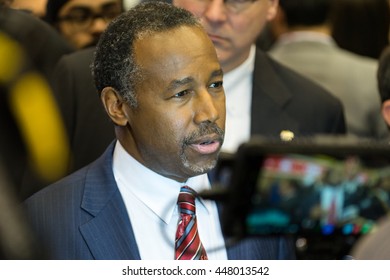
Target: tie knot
186, 200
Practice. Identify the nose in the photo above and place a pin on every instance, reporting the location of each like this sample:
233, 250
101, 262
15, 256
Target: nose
98, 25
215, 11
207, 107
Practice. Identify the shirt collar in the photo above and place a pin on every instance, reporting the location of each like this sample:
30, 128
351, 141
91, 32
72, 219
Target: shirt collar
235, 76
157, 192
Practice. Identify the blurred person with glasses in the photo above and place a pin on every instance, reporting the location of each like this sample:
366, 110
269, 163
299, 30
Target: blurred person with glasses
262, 96
81, 22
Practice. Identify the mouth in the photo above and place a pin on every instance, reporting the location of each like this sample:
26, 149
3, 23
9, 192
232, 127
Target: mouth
215, 38
206, 145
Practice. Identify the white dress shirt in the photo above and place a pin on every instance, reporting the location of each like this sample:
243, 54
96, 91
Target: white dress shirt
238, 90
151, 202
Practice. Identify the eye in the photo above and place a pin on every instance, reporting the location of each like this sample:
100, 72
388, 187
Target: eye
182, 93
216, 84
79, 15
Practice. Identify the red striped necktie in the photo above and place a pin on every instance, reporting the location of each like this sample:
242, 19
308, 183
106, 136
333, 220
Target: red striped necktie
187, 244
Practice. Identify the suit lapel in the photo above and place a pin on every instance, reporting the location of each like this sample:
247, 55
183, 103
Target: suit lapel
269, 98
109, 234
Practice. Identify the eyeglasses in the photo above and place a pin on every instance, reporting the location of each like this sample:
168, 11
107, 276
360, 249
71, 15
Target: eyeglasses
82, 17
234, 6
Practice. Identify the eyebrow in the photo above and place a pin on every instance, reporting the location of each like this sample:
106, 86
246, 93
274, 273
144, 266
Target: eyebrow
218, 72
180, 82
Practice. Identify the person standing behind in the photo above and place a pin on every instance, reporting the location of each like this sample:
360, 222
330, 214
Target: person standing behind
81, 22
308, 48
161, 84
262, 96
376, 245
383, 79
88, 127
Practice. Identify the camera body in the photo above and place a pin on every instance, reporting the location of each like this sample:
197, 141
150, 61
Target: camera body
325, 188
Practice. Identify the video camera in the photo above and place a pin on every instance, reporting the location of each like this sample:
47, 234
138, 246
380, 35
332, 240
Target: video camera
324, 191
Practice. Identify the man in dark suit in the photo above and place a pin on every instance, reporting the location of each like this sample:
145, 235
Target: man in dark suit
88, 127
167, 102
262, 97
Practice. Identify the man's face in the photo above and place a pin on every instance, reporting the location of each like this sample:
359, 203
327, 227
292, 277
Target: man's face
83, 21
177, 128
232, 30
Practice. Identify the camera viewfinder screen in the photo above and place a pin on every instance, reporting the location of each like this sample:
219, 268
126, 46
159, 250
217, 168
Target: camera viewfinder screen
319, 194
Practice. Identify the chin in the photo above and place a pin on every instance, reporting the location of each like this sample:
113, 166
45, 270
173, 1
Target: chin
200, 168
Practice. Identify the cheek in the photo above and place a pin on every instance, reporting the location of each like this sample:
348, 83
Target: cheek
77, 38
247, 31
166, 130
222, 116
65, 29
174, 127
81, 39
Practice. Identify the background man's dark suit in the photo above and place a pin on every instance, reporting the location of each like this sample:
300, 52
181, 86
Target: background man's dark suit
89, 128
95, 224
282, 100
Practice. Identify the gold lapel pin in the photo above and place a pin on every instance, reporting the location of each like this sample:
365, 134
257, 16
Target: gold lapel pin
286, 135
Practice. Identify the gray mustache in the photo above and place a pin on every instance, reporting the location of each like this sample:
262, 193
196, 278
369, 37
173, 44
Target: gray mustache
205, 129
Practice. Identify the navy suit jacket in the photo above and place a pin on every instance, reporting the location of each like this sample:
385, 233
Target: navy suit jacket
83, 216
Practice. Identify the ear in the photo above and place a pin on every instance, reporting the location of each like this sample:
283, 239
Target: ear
114, 105
386, 111
278, 24
272, 9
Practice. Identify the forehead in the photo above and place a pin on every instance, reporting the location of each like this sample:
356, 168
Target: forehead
176, 49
